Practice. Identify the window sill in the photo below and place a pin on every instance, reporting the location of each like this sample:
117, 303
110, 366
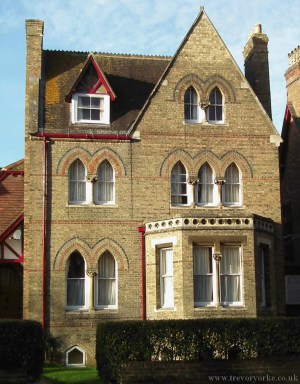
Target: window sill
220, 306
165, 309
92, 205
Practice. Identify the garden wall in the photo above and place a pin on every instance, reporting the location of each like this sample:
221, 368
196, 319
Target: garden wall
268, 370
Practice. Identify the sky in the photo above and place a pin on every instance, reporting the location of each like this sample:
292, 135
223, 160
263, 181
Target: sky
150, 27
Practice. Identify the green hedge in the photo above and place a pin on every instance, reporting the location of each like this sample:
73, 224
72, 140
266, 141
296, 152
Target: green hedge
193, 340
22, 346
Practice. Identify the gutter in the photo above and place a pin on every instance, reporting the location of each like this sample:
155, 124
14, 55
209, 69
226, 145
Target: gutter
121, 137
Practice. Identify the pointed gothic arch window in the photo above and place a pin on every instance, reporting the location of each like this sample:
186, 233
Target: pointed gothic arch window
106, 290
77, 183
76, 290
191, 105
231, 190
179, 186
206, 188
104, 192
215, 111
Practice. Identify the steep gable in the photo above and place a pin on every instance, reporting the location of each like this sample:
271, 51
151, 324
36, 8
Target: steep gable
203, 60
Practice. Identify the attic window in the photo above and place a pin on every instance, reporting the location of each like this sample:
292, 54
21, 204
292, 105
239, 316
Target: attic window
91, 95
90, 108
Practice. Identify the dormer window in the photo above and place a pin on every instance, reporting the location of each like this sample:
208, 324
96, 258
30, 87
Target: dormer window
91, 95
90, 108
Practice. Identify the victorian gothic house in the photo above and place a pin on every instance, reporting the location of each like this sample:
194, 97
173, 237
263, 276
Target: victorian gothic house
151, 186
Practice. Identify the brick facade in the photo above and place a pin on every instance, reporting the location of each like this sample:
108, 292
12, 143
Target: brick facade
290, 182
147, 136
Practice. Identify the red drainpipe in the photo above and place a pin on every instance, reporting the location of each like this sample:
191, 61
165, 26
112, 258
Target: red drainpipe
44, 233
143, 271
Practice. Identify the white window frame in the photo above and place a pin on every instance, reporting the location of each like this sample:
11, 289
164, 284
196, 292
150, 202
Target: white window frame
102, 306
86, 289
83, 355
77, 202
215, 194
226, 184
188, 188
240, 275
105, 119
169, 274
192, 105
96, 186
215, 105
213, 276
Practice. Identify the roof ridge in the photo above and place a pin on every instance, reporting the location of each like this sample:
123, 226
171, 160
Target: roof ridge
131, 55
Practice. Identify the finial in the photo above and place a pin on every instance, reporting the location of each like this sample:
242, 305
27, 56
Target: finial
201, 8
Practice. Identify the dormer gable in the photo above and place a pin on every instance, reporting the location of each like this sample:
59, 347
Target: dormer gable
91, 95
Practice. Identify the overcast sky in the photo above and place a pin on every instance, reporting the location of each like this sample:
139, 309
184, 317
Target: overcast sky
152, 27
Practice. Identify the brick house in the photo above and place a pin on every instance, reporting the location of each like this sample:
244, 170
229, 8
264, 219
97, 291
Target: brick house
290, 183
151, 187
11, 240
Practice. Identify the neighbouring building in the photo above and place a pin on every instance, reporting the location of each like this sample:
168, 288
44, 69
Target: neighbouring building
11, 240
151, 187
290, 183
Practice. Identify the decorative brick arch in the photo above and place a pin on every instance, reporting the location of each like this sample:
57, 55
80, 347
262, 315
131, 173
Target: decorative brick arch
172, 158
70, 156
113, 157
183, 84
223, 85
72, 245
239, 160
209, 157
110, 245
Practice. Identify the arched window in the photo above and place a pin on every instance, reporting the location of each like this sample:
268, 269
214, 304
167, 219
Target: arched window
191, 105
77, 183
231, 192
206, 186
106, 292
104, 192
179, 195
76, 281
215, 109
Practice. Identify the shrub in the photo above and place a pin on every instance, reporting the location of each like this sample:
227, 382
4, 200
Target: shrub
22, 346
192, 340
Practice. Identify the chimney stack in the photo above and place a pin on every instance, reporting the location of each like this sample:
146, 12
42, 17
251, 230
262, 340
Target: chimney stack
34, 49
257, 66
292, 77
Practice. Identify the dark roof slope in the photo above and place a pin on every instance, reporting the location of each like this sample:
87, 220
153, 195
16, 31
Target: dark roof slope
131, 77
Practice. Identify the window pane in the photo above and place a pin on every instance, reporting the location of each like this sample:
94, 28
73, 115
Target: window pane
75, 292
105, 183
107, 280
83, 102
95, 114
95, 102
203, 275
178, 184
230, 274
190, 104
166, 278
83, 114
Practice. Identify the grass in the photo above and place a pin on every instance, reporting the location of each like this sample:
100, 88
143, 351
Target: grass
63, 375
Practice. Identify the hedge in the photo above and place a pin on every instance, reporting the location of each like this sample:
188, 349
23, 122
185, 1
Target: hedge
193, 340
22, 346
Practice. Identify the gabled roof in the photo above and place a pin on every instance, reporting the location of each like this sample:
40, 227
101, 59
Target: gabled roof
91, 63
11, 195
